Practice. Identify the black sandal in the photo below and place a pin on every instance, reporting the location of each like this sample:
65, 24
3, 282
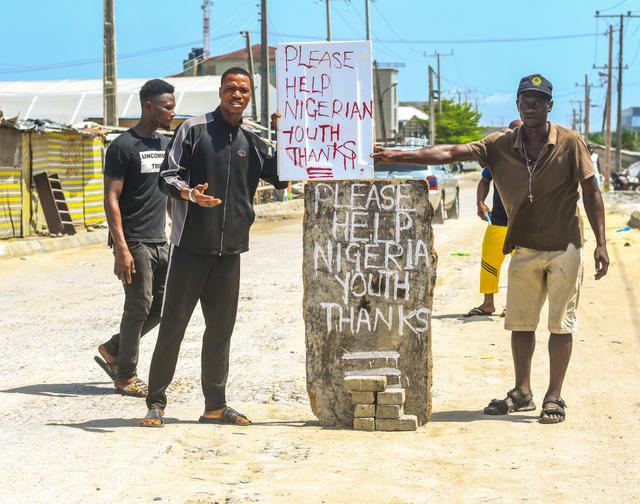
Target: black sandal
520, 402
553, 410
229, 416
153, 414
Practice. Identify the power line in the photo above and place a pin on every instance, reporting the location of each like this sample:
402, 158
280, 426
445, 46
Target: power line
92, 61
454, 41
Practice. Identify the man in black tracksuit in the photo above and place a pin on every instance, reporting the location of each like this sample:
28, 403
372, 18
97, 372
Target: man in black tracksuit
211, 170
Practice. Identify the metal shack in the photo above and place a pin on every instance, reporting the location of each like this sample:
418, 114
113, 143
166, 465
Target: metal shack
28, 148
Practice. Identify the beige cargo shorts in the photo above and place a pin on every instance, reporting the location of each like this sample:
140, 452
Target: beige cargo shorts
536, 274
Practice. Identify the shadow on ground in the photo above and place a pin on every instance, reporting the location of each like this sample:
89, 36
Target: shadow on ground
465, 320
62, 389
106, 425
461, 416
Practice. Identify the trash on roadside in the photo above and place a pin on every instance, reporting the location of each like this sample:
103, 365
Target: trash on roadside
462, 254
627, 244
627, 228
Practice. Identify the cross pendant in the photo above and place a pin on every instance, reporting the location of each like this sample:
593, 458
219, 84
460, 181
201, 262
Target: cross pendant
530, 198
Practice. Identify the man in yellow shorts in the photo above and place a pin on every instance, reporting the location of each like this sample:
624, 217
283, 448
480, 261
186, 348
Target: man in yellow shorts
493, 242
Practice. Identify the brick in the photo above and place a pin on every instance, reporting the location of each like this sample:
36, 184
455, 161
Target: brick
365, 424
363, 397
364, 410
365, 383
388, 411
404, 423
353, 361
391, 396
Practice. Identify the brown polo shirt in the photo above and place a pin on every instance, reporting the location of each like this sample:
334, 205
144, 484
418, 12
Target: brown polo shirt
552, 220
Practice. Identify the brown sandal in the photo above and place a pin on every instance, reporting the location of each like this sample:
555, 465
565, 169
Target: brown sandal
519, 402
136, 388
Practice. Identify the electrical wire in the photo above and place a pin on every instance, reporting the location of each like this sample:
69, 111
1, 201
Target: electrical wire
92, 61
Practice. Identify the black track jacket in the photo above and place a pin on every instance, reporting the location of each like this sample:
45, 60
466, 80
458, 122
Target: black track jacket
232, 160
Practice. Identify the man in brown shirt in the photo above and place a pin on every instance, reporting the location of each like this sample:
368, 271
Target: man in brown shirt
537, 169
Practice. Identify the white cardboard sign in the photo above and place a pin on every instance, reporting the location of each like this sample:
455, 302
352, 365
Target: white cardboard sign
325, 100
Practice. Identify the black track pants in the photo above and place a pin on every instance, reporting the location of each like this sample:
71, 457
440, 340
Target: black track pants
214, 280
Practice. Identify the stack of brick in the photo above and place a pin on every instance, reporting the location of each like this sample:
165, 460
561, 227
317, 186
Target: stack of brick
376, 392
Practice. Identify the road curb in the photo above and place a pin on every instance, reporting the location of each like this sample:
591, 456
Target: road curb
19, 247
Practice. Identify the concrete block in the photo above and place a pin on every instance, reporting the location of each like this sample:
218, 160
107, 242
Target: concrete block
363, 398
404, 423
392, 395
354, 361
364, 410
365, 383
365, 424
389, 411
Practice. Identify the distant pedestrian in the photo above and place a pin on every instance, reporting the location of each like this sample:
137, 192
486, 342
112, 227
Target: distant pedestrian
537, 169
493, 242
136, 213
212, 169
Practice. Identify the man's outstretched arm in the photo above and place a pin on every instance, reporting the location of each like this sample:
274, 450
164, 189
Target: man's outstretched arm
437, 154
594, 207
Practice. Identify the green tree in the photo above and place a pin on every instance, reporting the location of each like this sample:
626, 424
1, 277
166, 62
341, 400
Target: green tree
630, 140
457, 123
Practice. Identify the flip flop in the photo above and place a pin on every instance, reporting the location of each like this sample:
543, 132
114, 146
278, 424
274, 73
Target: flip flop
137, 388
476, 312
153, 414
229, 416
110, 369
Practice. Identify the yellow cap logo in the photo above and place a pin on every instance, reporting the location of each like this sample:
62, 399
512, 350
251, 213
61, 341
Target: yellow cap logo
536, 81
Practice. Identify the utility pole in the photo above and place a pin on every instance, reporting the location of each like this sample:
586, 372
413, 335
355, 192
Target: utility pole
264, 68
573, 119
109, 75
587, 105
437, 56
432, 110
205, 27
620, 67
607, 112
607, 128
254, 106
577, 126
367, 21
383, 126
328, 20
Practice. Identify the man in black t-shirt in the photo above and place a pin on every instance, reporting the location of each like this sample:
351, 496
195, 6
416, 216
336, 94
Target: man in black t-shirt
136, 212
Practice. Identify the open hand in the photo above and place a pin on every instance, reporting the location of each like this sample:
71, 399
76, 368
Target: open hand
202, 199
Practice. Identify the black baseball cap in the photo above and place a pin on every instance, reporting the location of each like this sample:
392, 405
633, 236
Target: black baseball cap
535, 82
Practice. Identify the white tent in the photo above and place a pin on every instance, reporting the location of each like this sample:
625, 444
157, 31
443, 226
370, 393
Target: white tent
72, 101
406, 113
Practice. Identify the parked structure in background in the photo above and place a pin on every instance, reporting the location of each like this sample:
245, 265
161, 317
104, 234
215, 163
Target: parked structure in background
197, 65
73, 101
631, 118
412, 122
387, 77
30, 148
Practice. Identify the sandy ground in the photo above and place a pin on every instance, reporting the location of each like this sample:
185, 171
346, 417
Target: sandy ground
66, 437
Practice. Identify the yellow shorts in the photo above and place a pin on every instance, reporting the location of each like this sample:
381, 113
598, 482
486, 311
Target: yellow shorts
492, 258
536, 274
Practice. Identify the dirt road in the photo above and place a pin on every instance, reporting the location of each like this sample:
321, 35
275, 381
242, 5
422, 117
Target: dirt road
66, 437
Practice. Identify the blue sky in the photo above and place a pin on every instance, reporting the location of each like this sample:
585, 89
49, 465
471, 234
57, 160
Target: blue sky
62, 39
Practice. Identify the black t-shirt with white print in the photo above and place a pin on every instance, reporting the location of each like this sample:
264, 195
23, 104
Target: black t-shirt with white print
143, 206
